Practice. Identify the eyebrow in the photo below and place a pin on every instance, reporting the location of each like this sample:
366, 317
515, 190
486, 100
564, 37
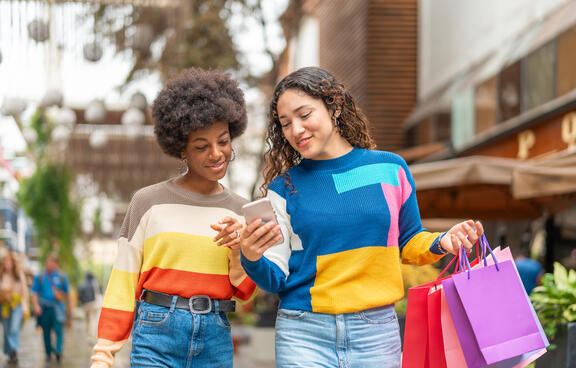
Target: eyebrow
295, 110
204, 139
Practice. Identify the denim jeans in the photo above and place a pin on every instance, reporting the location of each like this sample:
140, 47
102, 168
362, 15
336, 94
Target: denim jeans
11, 326
366, 339
173, 338
49, 322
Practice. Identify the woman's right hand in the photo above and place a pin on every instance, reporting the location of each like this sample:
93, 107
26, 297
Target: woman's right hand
257, 237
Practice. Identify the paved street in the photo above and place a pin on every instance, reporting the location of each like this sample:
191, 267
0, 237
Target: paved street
77, 351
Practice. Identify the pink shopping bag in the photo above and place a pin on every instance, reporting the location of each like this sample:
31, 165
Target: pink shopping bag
436, 355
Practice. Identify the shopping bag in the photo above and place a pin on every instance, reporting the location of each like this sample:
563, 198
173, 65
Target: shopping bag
493, 319
436, 356
454, 357
453, 350
523, 360
415, 348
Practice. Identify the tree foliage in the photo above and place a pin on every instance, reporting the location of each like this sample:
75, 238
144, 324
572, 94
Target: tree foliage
46, 198
192, 33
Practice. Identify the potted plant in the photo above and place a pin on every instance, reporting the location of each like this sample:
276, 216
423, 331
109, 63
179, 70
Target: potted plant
555, 304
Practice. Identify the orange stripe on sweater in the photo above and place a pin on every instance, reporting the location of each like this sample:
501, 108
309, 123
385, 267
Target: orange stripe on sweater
114, 324
186, 284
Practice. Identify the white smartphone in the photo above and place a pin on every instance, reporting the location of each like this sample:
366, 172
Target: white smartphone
261, 208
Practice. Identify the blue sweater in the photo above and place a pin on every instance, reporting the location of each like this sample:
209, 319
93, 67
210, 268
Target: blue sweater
346, 223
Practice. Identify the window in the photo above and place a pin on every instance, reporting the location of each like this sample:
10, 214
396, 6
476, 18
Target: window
463, 118
509, 87
565, 62
486, 105
539, 73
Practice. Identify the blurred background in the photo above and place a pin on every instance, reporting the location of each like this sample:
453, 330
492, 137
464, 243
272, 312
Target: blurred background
479, 97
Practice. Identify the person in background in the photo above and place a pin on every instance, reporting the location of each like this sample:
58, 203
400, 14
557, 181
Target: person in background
178, 260
14, 303
348, 214
89, 298
52, 305
529, 269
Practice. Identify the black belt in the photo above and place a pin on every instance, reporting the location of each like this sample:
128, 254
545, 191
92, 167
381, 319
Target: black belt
200, 304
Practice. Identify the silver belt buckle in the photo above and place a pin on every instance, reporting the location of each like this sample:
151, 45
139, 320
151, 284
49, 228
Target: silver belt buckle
206, 310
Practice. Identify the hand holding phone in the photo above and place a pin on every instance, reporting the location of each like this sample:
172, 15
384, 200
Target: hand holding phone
261, 208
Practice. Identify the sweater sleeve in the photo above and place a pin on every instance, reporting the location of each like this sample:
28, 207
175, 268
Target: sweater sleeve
271, 271
417, 245
244, 287
117, 315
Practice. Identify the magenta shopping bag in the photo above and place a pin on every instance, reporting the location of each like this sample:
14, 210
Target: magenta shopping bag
491, 314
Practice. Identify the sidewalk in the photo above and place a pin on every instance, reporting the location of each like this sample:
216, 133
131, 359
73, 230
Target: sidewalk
77, 351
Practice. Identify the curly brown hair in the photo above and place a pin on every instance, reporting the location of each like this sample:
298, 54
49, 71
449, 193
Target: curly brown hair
317, 83
195, 99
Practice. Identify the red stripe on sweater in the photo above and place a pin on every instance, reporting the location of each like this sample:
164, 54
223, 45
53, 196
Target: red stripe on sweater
114, 324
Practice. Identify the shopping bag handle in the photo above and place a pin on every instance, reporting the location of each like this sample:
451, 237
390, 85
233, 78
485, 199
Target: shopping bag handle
485, 245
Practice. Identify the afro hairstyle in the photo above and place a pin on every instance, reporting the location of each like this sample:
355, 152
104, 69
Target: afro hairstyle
195, 99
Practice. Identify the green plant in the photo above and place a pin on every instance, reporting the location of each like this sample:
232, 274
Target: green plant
555, 300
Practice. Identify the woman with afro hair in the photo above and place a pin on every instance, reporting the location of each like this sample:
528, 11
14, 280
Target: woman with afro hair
178, 259
348, 214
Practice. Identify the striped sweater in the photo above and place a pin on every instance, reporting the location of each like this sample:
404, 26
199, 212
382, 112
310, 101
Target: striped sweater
346, 225
166, 245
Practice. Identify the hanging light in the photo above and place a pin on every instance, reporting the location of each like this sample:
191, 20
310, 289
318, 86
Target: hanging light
60, 134
133, 117
142, 38
13, 106
38, 30
92, 51
138, 100
98, 139
52, 97
95, 112
65, 117
30, 135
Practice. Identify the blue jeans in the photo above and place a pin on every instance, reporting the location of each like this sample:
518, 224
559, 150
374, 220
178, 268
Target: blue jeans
49, 322
11, 326
366, 339
173, 338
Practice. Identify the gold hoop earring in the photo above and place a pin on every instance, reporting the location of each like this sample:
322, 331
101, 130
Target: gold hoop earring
181, 163
336, 124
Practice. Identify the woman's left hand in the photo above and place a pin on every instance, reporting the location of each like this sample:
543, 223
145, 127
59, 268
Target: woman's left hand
229, 230
464, 234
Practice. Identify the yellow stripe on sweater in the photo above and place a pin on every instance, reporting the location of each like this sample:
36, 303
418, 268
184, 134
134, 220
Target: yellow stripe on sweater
185, 252
417, 250
356, 279
121, 290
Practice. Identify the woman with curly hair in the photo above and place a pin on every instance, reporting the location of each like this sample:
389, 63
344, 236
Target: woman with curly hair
347, 214
13, 303
178, 264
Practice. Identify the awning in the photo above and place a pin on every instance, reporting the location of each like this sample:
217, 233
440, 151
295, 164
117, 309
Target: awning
552, 176
475, 187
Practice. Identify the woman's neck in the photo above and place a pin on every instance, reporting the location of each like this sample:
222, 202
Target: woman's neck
199, 186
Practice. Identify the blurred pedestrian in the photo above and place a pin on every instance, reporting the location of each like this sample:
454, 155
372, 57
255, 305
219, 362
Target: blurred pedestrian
14, 303
89, 297
348, 214
52, 305
530, 270
183, 276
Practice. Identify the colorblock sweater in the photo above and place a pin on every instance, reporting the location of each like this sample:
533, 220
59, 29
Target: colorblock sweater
346, 223
166, 245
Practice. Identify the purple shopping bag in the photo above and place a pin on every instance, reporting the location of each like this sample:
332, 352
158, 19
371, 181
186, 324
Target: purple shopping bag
492, 316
